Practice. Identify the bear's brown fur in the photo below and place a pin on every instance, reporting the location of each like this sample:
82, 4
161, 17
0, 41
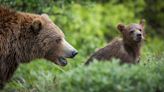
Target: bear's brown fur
24, 37
127, 48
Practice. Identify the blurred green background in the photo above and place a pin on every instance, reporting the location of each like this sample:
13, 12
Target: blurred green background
89, 25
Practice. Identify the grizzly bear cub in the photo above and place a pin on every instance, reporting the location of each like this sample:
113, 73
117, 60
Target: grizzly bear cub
127, 48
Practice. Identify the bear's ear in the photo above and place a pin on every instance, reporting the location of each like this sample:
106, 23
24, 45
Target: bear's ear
36, 25
45, 16
121, 27
142, 22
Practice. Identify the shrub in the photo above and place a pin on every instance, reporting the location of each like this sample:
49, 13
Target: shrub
112, 77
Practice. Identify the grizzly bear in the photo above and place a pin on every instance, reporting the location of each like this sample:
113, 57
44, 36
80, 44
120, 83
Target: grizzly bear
127, 48
24, 37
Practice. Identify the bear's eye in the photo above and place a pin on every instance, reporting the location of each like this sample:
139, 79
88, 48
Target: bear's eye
140, 30
132, 31
58, 40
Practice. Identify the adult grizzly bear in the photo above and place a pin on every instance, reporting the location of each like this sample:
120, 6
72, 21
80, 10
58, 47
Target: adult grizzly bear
127, 48
24, 37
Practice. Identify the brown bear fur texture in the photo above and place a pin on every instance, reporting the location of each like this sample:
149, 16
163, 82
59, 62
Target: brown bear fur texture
127, 48
24, 37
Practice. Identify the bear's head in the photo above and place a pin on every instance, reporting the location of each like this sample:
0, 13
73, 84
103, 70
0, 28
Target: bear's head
133, 33
50, 41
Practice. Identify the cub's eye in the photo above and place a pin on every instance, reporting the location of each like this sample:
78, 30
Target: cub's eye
140, 30
132, 31
58, 40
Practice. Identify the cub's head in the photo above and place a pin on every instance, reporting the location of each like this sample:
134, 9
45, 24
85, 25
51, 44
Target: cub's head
51, 41
133, 33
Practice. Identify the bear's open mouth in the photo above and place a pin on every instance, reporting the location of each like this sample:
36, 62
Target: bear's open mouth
62, 61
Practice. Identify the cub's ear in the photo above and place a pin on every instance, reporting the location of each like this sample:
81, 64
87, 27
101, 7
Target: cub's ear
36, 25
142, 22
121, 27
45, 16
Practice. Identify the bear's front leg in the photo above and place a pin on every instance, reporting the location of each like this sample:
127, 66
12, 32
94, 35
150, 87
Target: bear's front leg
6, 72
2, 67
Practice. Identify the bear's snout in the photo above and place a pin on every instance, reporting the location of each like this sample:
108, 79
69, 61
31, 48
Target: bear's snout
74, 53
68, 50
139, 35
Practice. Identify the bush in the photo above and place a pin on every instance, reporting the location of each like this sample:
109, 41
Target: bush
92, 24
156, 21
112, 77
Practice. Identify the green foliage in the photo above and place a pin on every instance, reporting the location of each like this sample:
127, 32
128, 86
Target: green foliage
97, 77
156, 21
112, 77
27, 5
94, 22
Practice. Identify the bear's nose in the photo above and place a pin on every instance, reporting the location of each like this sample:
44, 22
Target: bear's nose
74, 53
139, 35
